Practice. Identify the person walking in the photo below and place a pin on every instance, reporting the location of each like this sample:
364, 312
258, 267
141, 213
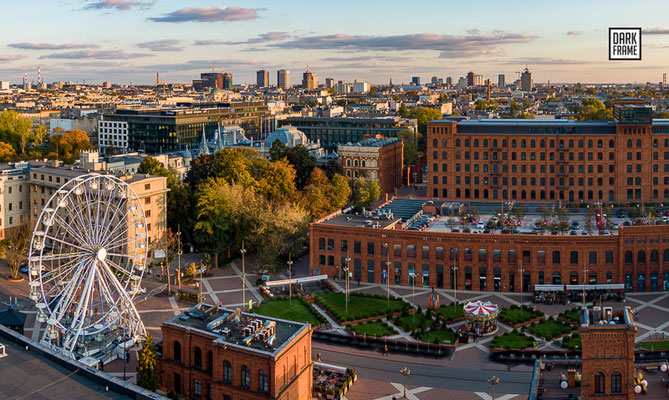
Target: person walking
385, 350
318, 357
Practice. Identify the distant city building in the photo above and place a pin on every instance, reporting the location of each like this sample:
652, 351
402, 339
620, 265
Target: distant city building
309, 80
213, 353
106, 85
462, 82
4, 85
416, 80
283, 79
470, 78
449, 80
377, 159
209, 80
526, 83
227, 80
479, 80
342, 88
501, 80
262, 78
333, 131
329, 83
361, 87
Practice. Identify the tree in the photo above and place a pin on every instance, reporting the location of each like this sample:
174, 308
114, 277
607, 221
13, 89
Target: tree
7, 152
15, 130
325, 195
15, 248
519, 212
39, 134
410, 152
147, 376
152, 166
365, 192
403, 111
68, 145
332, 168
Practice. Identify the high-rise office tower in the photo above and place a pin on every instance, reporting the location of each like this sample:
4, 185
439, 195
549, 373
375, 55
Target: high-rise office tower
262, 78
470, 78
501, 80
329, 83
415, 80
526, 81
309, 80
449, 80
227, 80
283, 79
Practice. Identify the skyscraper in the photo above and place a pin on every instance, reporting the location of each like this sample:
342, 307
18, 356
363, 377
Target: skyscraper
309, 80
227, 80
262, 78
470, 78
526, 81
501, 80
329, 83
415, 80
283, 79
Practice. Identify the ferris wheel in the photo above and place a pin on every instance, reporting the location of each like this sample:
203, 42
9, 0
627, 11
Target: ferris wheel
88, 256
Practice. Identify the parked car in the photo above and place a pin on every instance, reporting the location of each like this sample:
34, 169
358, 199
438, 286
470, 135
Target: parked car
627, 223
480, 225
573, 233
574, 225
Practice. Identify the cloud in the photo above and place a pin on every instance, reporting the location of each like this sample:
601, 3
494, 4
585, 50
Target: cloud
209, 14
264, 38
369, 58
656, 31
97, 54
573, 33
162, 45
448, 45
544, 61
11, 57
208, 42
51, 46
121, 5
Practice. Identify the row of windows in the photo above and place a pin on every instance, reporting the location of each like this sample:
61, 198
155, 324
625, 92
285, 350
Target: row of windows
600, 383
580, 144
362, 163
534, 195
113, 124
65, 180
631, 181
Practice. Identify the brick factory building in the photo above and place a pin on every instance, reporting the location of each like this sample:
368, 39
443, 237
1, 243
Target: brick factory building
634, 257
377, 159
212, 353
624, 160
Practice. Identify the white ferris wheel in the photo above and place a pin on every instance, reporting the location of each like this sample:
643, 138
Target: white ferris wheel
88, 256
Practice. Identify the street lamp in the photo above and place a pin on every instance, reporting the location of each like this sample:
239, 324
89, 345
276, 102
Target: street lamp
493, 380
388, 274
347, 271
454, 268
179, 252
413, 294
520, 278
405, 372
243, 251
290, 279
585, 271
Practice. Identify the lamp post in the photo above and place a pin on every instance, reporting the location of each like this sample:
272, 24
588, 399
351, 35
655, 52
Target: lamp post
585, 271
347, 271
243, 251
405, 372
290, 280
179, 251
520, 278
493, 380
454, 268
413, 295
388, 274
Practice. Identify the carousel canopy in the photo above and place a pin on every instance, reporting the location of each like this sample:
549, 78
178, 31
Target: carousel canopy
479, 309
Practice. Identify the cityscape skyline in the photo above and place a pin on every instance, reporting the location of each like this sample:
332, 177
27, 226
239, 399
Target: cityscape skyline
126, 41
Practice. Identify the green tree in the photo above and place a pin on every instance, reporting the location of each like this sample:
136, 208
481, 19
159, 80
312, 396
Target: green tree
39, 134
403, 111
15, 248
365, 192
15, 130
332, 168
519, 212
410, 147
68, 145
323, 195
147, 376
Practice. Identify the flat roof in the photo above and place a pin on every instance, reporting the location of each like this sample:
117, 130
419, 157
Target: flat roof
228, 326
353, 220
25, 374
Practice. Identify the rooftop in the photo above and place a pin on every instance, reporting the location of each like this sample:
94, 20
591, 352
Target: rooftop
368, 220
373, 142
600, 316
246, 331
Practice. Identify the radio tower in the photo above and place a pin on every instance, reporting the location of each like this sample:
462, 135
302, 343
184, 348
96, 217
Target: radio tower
39, 75
25, 81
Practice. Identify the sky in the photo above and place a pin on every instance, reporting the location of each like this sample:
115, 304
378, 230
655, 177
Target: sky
128, 41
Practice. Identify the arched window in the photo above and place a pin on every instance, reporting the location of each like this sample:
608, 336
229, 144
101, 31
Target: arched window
599, 382
611, 143
641, 257
638, 143
533, 143
580, 143
466, 142
654, 256
513, 143
263, 385
227, 372
363, 163
348, 162
485, 143
590, 144
523, 143
542, 143
177, 351
552, 144
476, 143
457, 142
246, 377
504, 143
616, 380
435, 143
210, 361
628, 257
665, 256
197, 357
600, 144
571, 144
355, 163
629, 143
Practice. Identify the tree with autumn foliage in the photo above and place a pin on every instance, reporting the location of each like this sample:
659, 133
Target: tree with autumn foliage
66, 146
147, 376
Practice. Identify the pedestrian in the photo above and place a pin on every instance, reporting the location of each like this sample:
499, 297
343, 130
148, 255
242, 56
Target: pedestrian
318, 357
385, 349
358, 281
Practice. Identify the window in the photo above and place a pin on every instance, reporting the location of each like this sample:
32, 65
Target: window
147, 186
197, 357
370, 248
246, 377
321, 244
556, 257
147, 200
616, 379
177, 351
263, 382
227, 372
197, 388
599, 383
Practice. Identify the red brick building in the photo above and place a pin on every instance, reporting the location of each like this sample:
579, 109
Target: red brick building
375, 158
638, 256
213, 353
625, 160
607, 367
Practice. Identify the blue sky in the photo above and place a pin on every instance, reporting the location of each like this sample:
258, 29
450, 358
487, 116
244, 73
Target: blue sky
127, 41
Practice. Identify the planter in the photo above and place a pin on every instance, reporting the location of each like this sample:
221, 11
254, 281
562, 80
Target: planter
519, 324
12, 279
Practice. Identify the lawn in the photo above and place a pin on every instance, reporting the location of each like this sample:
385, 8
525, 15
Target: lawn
512, 340
550, 328
299, 311
655, 346
513, 315
376, 328
359, 305
441, 336
573, 314
449, 312
409, 323
572, 342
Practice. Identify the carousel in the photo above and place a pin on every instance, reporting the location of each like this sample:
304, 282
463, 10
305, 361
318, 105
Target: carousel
481, 317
